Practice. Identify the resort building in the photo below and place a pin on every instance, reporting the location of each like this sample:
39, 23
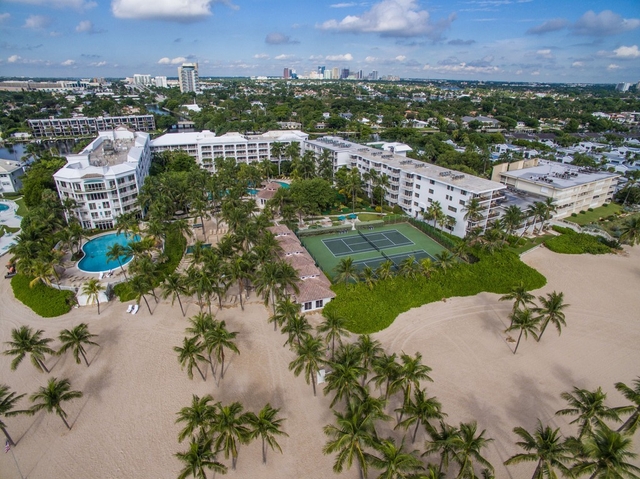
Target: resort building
572, 188
85, 126
415, 186
205, 146
10, 173
188, 78
104, 179
314, 289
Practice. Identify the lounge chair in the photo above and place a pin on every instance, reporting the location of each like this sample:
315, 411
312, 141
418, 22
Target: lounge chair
135, 309
130, 308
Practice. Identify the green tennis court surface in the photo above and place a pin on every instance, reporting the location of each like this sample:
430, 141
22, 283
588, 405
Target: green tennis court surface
397, 241
351, 244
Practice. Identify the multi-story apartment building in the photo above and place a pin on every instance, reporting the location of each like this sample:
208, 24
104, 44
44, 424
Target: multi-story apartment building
572, 188
83, 126
414, 185
205, 146
10, 174
188, 78
104, 179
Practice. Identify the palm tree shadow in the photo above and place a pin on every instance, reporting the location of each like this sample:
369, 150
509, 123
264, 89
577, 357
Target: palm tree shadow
97, 383
108, 336
35, 423
531, 403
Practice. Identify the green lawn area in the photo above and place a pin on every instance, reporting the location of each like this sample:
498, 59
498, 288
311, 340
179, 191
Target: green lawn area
368, 311
530, 243
22, 208
369, 217
595, 215
43, 300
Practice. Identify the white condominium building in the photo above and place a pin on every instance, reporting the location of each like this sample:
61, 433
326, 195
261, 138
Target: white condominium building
415, 185
205, 146
10, 174
104, 179
572, 188
188, 77
82, 125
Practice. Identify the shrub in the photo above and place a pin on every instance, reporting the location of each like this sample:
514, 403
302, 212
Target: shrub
583, 212
570, 242
373, 310
590, 209
43, 300
574, 215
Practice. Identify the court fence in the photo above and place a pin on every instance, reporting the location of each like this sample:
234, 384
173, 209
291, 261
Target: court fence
433, 233
324, 231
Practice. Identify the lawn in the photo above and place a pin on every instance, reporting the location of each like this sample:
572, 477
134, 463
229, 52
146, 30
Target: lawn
368, 311
22, 208
595, 215
43, 300
530, 243
369, 217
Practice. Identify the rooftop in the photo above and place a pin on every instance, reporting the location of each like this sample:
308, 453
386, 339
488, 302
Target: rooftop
559, 175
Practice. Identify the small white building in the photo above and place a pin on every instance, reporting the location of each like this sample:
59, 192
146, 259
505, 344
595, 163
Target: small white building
105, 178
10, 174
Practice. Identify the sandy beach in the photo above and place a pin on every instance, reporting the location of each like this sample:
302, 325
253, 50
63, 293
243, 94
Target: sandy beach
124, 426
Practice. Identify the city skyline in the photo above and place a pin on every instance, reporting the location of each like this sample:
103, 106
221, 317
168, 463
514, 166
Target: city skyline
490, 40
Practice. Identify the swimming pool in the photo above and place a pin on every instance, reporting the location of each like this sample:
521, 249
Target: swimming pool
3, 207
283, 184
95, 253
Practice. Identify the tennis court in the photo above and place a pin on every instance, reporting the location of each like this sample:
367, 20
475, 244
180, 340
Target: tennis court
370, 247
363, 242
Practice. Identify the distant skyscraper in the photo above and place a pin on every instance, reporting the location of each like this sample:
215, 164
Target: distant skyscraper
335, 73
161, 82
321, 70
344, 73
286, 74
374, 75
188, 76
141, 79
623, 87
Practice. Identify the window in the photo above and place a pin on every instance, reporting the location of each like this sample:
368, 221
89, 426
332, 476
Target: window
92, 206
94, 215
451, 208
462, 202
449, 197
319, 303
105, 204
416, 195
430, 191
462, 192
415, 203
429, 200
308, 305
431, 182
449, 188
417, 187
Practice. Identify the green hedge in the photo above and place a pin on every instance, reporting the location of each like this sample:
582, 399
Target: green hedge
369, 311
43, 300
175, 246
324, 230
570, 242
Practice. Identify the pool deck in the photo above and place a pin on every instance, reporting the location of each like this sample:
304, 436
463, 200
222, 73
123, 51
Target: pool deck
11, 219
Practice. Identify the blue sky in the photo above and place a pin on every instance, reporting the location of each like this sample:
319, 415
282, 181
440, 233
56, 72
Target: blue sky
517, 40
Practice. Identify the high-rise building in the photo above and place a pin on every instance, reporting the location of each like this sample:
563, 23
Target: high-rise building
374, 75
321, 70
623, 86
335, 73
286, 74
188, 77
139, 79
161, 82
344, 73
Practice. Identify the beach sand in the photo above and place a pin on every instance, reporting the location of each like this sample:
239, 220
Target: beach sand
124, 426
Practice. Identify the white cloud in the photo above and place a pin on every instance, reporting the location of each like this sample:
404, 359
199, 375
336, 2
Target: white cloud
577, 64
37, 22
316, 57
393, 18
627, 52
180, 11
401, 58
76, 4
4, 17
343, 5
285, 57
347, 57
462, 68
613, 66
371, 59
98, 64
68, 63
171, 61
545, 53
277, 38
14, 59
604, 23
552, 25
84, 26
261, 56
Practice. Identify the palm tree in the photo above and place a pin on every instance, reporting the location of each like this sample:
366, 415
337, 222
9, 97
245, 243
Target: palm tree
408, 267
344, 377
198, 417
395, 462
523, 320
297, 328
633, 395
239, 271
117, 251
199, 457
444, 441
468, 448
139, 286
411, 372
8, 401
590, 408
310, 356
630, 231
474, 211
75, 340
230, 427
273, 279
445, 260
545, 447
174, 285
368, 349
420, 410
547, 209
434, 213
353, 432
335, 327
606, 454
346, 271
385, 270
220, 338
190, 354
387, 370
277, 150
26, 341
368, 277
285, 310
551, 311
92, 289
267, 426
520, 297
512, 219
52, 396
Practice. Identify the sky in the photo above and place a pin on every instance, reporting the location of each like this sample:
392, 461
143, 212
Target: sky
574, 41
